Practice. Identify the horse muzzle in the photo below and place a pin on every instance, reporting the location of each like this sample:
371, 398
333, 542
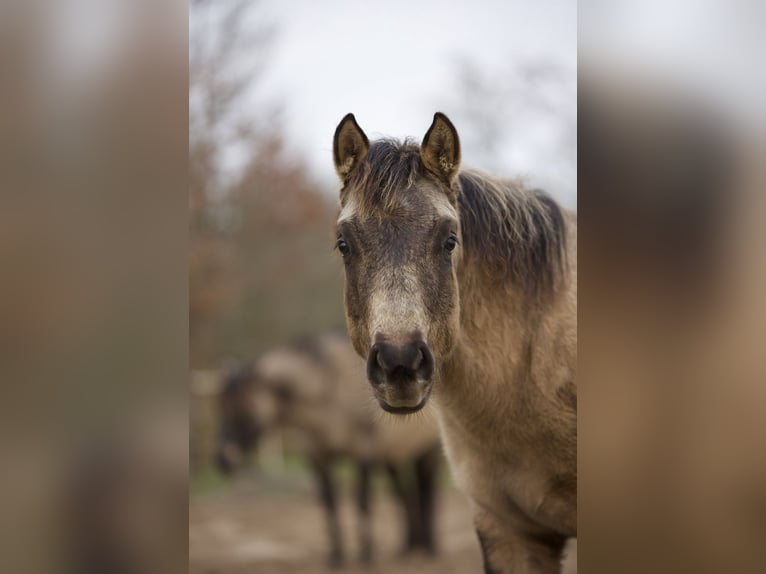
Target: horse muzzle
400, 374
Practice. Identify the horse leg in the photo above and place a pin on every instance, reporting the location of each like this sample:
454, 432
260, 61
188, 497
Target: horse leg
425, 473
509, 551
365, 534
408, 505
327, 495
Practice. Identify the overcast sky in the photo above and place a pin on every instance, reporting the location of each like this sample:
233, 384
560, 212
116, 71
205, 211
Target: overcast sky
395, 63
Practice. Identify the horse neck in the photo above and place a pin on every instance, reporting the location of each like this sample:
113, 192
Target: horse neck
496, 324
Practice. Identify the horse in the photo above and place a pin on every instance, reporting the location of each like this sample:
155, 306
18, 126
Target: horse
312, 386
460, 289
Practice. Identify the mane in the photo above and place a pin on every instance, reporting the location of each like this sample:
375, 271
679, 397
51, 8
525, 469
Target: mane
514, 234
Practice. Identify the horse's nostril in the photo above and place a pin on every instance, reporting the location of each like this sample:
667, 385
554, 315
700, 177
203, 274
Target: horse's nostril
418, 360
375, 367
379, 359
425, 367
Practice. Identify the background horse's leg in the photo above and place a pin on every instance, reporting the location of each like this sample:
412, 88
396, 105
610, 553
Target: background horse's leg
426, 468
363, 499
327, 495
409, 505
515, 552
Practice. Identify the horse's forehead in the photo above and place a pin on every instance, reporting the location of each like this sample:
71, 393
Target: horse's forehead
422, 201
437, 201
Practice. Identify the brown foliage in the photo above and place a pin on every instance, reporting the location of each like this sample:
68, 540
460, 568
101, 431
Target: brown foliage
259, 236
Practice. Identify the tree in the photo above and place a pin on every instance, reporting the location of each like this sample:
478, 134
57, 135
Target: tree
260, 262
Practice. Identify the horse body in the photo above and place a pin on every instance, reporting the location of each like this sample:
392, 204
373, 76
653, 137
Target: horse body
313, 389
462, 288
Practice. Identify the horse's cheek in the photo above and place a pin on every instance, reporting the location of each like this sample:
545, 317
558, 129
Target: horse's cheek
356, 317
351, 296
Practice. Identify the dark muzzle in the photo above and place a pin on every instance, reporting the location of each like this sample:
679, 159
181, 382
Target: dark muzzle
392, 363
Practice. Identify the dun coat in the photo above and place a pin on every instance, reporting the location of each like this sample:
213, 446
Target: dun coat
461, 290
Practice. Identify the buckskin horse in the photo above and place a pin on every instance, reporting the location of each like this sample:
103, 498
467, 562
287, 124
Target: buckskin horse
460, 289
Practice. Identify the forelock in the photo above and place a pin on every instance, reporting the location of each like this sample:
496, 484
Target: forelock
388, 172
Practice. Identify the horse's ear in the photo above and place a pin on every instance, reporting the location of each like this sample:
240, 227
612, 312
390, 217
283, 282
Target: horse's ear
349, 146
440, 150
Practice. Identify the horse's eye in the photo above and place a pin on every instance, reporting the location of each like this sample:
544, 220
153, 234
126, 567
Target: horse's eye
342, 247
451, 243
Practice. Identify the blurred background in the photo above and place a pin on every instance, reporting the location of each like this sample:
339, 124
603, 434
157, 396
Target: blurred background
132, 207
268, 83
672, 401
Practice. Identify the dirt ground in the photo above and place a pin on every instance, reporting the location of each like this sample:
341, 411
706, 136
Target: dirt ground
249, 528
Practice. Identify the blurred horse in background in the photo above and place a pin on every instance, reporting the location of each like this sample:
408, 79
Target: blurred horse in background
316, 386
